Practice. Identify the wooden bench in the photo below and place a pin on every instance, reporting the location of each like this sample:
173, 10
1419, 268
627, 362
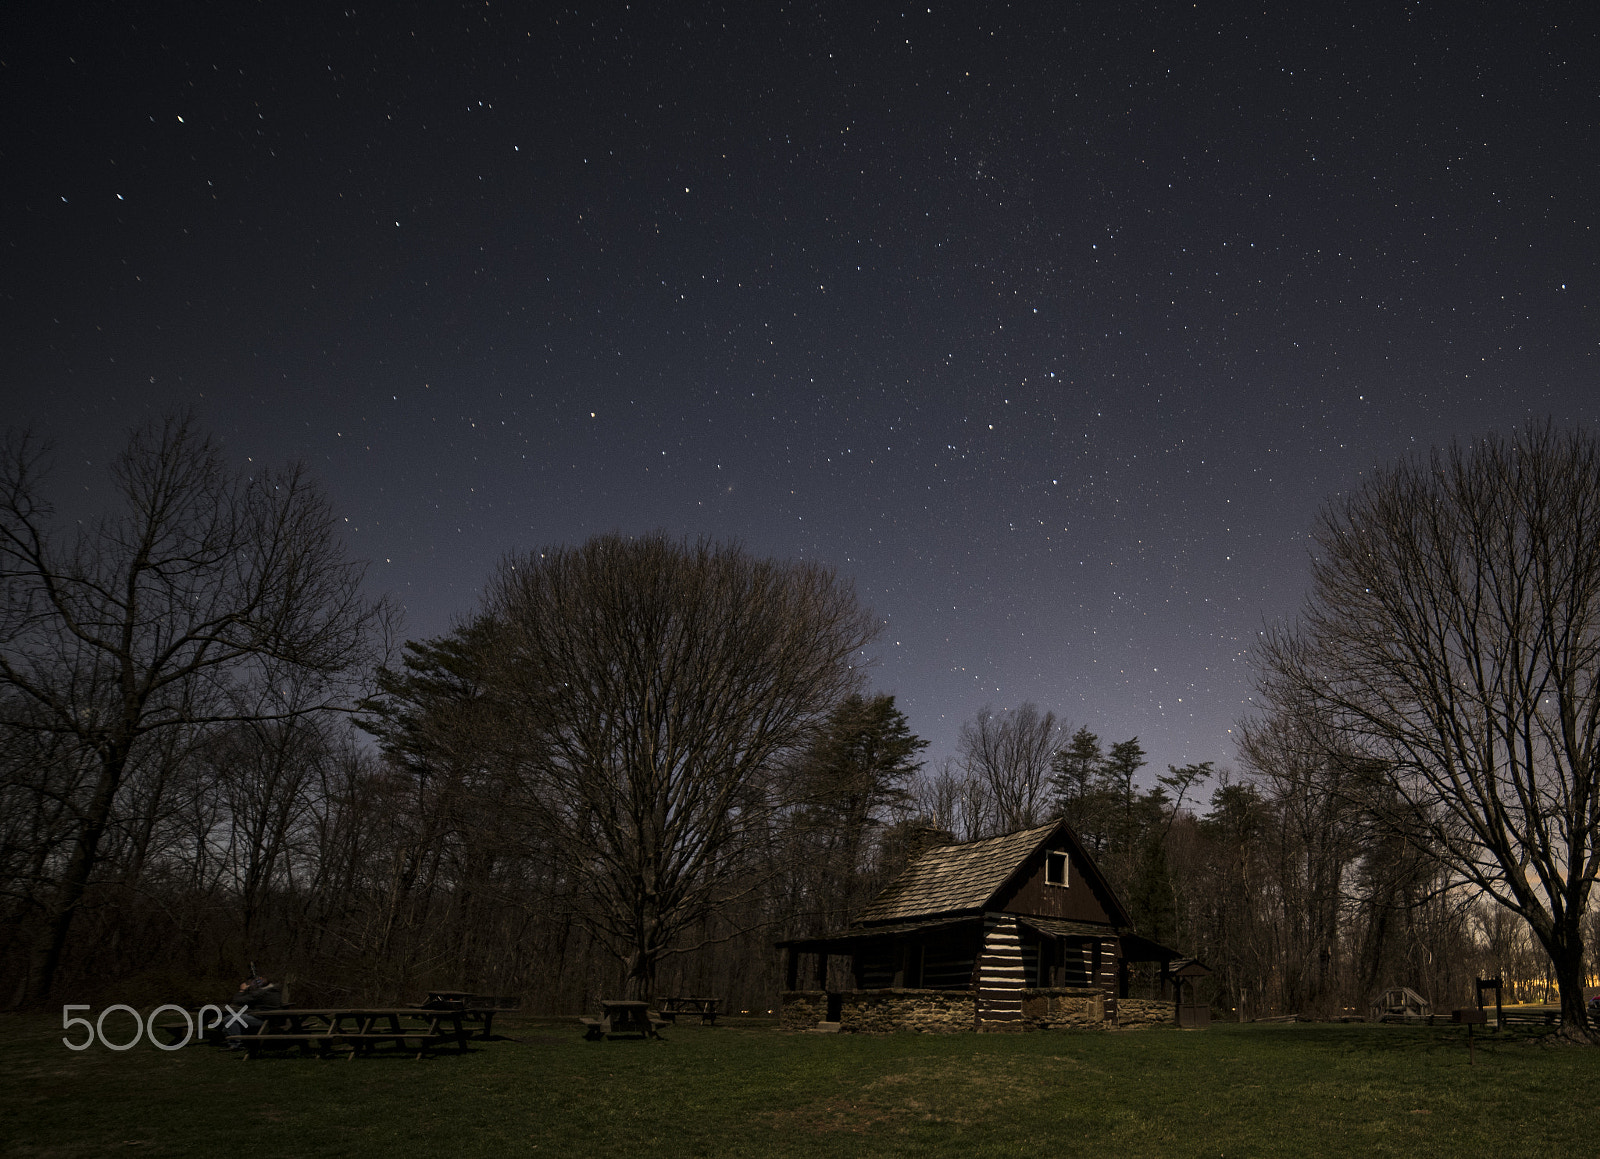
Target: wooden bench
594, 1029
359, 1030
478, 1008
706, 1008
621, 1020
423, 1040
357, 1041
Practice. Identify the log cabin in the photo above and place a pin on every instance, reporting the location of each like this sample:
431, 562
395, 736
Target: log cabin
1016, 932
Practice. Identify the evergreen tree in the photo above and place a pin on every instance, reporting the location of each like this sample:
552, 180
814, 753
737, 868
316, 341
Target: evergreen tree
1075, 767
853, 781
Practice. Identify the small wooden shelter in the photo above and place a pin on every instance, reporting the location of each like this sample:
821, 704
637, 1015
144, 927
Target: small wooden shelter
1181, 972
1398, 1004
1014, 932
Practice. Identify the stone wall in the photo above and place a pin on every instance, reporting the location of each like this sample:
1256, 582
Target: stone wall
1059, 1008
881, 1011
949, 1011
1133, 1013
927, 1011
802, 1009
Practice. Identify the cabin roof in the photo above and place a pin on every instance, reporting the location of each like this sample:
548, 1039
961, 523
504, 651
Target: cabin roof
860, 934
1136, 948
1062, 928
955, 877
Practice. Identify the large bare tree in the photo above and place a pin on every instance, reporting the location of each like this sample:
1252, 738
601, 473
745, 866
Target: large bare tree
190, 605
653, 691
1451, 646
1009, 753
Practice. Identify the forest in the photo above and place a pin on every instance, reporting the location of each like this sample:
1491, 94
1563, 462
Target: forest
637, 764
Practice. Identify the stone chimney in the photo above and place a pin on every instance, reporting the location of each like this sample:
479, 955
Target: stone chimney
921, 838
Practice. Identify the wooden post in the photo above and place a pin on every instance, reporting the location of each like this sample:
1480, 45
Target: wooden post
1471, 1015
1499, 1007
822, 969
792, 968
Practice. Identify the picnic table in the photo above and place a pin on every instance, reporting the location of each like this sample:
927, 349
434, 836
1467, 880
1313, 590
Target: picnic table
358, 1029
618, 1018
475, 1008
706, 1008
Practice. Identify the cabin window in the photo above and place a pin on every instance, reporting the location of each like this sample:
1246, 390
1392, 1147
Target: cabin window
1076, 969
1055, 869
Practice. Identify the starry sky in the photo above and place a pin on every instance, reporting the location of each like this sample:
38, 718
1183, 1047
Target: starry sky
1049, 325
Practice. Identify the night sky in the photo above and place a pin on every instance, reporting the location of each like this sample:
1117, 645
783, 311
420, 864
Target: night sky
1051, 326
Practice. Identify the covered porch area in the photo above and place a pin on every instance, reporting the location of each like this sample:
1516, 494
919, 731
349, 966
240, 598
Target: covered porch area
920, 966
1176, 980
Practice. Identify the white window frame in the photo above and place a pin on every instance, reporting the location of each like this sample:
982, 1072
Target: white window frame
1066, 868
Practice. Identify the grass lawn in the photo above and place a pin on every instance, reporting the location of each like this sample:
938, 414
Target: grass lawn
1265, 1090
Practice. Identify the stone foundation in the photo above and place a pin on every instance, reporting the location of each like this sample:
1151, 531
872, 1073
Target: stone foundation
1061, 1008
925, 1011
881, 1011
802, 1009
1135, 1013
950, 1011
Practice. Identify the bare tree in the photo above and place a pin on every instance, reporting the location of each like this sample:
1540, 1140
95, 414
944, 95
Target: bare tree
1451, 643
1235, 930
1316, 844
952, 801
1010, 754
186, 608
653, 689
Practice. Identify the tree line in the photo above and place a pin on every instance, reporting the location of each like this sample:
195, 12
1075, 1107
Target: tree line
641, 760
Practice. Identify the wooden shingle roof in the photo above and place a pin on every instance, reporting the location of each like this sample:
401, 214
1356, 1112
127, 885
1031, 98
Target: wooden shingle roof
844, 939
954, 878
1060, 928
